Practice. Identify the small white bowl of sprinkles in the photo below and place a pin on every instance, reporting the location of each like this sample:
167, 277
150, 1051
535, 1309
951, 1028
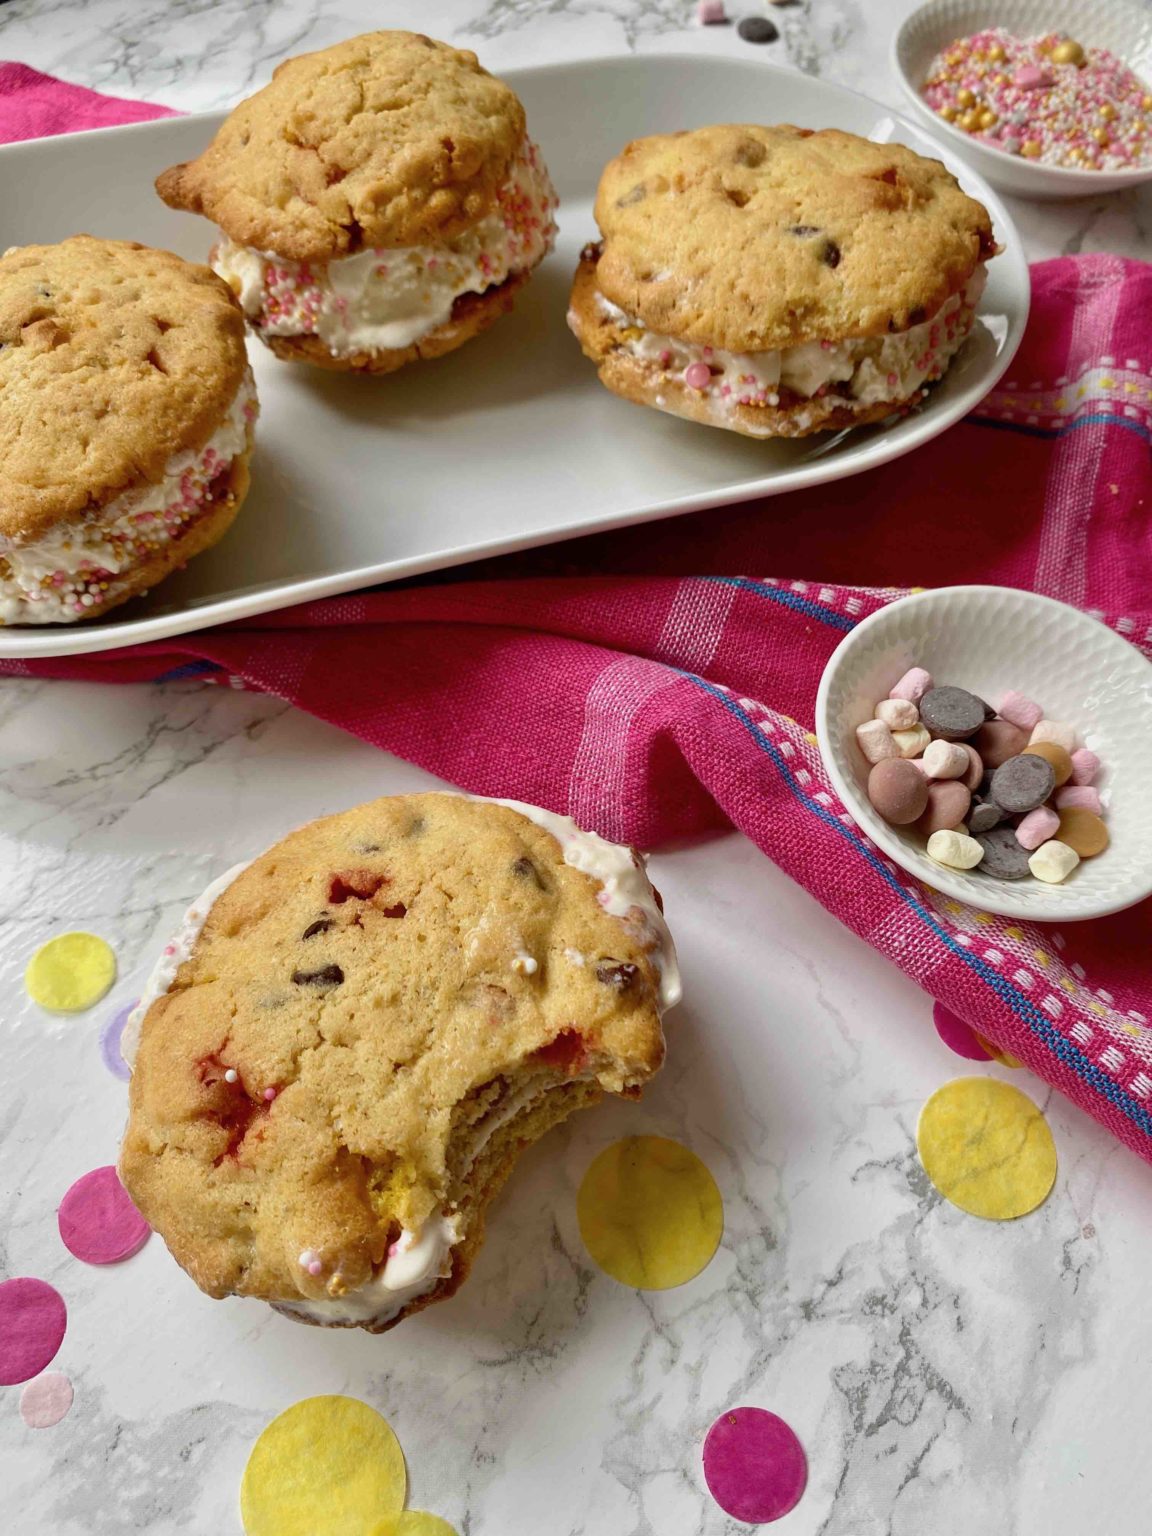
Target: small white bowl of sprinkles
1044, 98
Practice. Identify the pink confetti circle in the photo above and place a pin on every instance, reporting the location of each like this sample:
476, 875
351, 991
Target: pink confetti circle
98, 1222
957, 1035
33, 1318
754, 1465
46, 1400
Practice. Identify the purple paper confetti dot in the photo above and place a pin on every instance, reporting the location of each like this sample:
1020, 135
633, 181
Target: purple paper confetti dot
110, 1044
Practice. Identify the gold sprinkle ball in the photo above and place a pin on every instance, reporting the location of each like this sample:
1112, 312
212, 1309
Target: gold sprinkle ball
1068, 52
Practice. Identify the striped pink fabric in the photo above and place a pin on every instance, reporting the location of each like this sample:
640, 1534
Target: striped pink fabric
641, 683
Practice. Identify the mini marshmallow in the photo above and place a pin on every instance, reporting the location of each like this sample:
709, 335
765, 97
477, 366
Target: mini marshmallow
875, 741
898, 714
1020, 711
1081, 796
911, 743
1053, 862
1037, 827
956, 849
1058, 731
710, 13
945, 760
1085, 766
912, 686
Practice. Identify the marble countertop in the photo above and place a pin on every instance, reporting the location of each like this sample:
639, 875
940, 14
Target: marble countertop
946, 1376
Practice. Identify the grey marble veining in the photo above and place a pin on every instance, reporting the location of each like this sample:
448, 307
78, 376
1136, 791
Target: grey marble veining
938, 1369
946, 1376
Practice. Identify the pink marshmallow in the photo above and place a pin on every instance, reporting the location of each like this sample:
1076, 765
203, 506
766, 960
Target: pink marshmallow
710, 13
1081, 796
1085, 766
1037, 827
913, 685
1020, 711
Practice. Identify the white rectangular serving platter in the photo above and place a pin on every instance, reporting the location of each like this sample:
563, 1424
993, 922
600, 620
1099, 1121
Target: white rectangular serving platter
510, 442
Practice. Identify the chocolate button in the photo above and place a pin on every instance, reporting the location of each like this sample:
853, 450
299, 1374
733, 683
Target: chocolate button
953, 714
948, 802
1052, 753
1083, 831
757, 29
1003, 855
898, 790
983, 816
1023, 783
999, 740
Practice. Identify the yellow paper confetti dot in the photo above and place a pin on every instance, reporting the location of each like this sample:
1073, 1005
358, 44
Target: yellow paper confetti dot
650, 1213
414, 1522
327, 1466
1003, 1057
987, 1148
70, 973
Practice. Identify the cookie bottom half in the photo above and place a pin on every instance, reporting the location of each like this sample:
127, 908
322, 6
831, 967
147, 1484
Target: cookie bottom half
645, 381
213, 519
471, 314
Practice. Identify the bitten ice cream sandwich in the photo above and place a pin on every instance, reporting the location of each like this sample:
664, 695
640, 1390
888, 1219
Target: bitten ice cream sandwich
379, 202
343, 1052
776, 281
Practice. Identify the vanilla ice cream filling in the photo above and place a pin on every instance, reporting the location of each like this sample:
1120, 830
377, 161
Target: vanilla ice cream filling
75, 566
861, 371
385, 299
419, 1260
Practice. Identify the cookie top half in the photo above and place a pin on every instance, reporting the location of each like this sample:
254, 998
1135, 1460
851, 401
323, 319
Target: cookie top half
389, 139
351, 994
113, 358
751, 238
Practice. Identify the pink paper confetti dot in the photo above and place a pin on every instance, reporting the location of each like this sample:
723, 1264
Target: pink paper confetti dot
46, 1400
754, 1465
957, 1035
98, 1222
33, 1318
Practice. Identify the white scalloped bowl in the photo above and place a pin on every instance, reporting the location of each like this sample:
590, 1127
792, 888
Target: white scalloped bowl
1124, 27
992, 639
